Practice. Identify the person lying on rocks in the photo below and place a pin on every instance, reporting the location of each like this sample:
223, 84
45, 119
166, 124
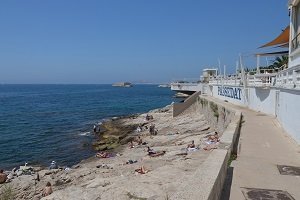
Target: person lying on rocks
153, 153
141, 170
210, 147
11, 175
158, 153
131, 145
150, 151
102, 154
213, 138
104, 166
47, 190
3, 176
192, 145
131, 162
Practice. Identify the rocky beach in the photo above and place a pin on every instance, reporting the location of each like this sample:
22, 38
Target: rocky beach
117, 175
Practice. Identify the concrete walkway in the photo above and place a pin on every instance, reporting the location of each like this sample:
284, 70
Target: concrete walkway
263, 146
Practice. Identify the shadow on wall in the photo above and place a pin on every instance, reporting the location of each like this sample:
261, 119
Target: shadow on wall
262, 94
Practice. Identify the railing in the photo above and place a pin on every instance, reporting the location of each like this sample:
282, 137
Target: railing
227, 80
295, 42
289, 78
186, 86
186, 80
286, 78
261, 80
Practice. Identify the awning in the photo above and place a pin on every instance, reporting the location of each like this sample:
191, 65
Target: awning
273, 53
282, 39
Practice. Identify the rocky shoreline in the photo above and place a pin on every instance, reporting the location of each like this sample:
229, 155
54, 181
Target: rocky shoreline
112, 177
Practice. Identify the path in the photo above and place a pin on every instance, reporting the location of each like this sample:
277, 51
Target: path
263, 146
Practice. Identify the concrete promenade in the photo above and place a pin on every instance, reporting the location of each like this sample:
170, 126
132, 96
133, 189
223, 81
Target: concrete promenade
263, 146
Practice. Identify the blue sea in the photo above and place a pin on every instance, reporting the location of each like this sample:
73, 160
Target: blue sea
41, 123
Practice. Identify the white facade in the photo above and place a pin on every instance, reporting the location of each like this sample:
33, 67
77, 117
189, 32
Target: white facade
262, 100
289, 112
186, 87
284, 104
294, 46
273, 94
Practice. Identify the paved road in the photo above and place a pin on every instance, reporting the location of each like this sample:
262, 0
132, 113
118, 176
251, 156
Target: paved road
263, 146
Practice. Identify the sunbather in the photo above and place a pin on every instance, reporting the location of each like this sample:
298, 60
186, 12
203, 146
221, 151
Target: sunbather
3, 176
47, 190
214, 138
131, 161
131, 145
153, 153
192, 145
158, 153
142, 170
210, 147
102, 154
150, 151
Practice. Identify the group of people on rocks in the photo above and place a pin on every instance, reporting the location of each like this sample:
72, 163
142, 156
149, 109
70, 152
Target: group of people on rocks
4, 178
211, 142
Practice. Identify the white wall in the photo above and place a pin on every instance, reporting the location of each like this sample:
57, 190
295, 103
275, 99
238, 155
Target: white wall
186, 87
264, 100
289, 112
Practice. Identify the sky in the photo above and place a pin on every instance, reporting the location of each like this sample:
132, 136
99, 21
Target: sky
106, 41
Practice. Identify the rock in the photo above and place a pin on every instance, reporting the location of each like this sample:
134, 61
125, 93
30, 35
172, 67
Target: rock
49, 172
205, 128
101, 147
19, 172
126, 140
58, 182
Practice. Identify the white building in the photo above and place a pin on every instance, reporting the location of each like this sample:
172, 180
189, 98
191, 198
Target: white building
276, 94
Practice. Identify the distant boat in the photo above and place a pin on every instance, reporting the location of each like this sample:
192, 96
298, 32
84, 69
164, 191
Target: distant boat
165, 85
122, 84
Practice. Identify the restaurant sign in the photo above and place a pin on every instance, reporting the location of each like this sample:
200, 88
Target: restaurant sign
230, 92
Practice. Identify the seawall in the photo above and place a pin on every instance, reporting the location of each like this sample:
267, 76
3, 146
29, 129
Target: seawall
208, 180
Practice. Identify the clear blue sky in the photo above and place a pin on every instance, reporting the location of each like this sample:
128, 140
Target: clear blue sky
104, 41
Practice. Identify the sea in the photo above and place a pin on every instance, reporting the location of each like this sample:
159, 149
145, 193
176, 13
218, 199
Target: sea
42, 123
